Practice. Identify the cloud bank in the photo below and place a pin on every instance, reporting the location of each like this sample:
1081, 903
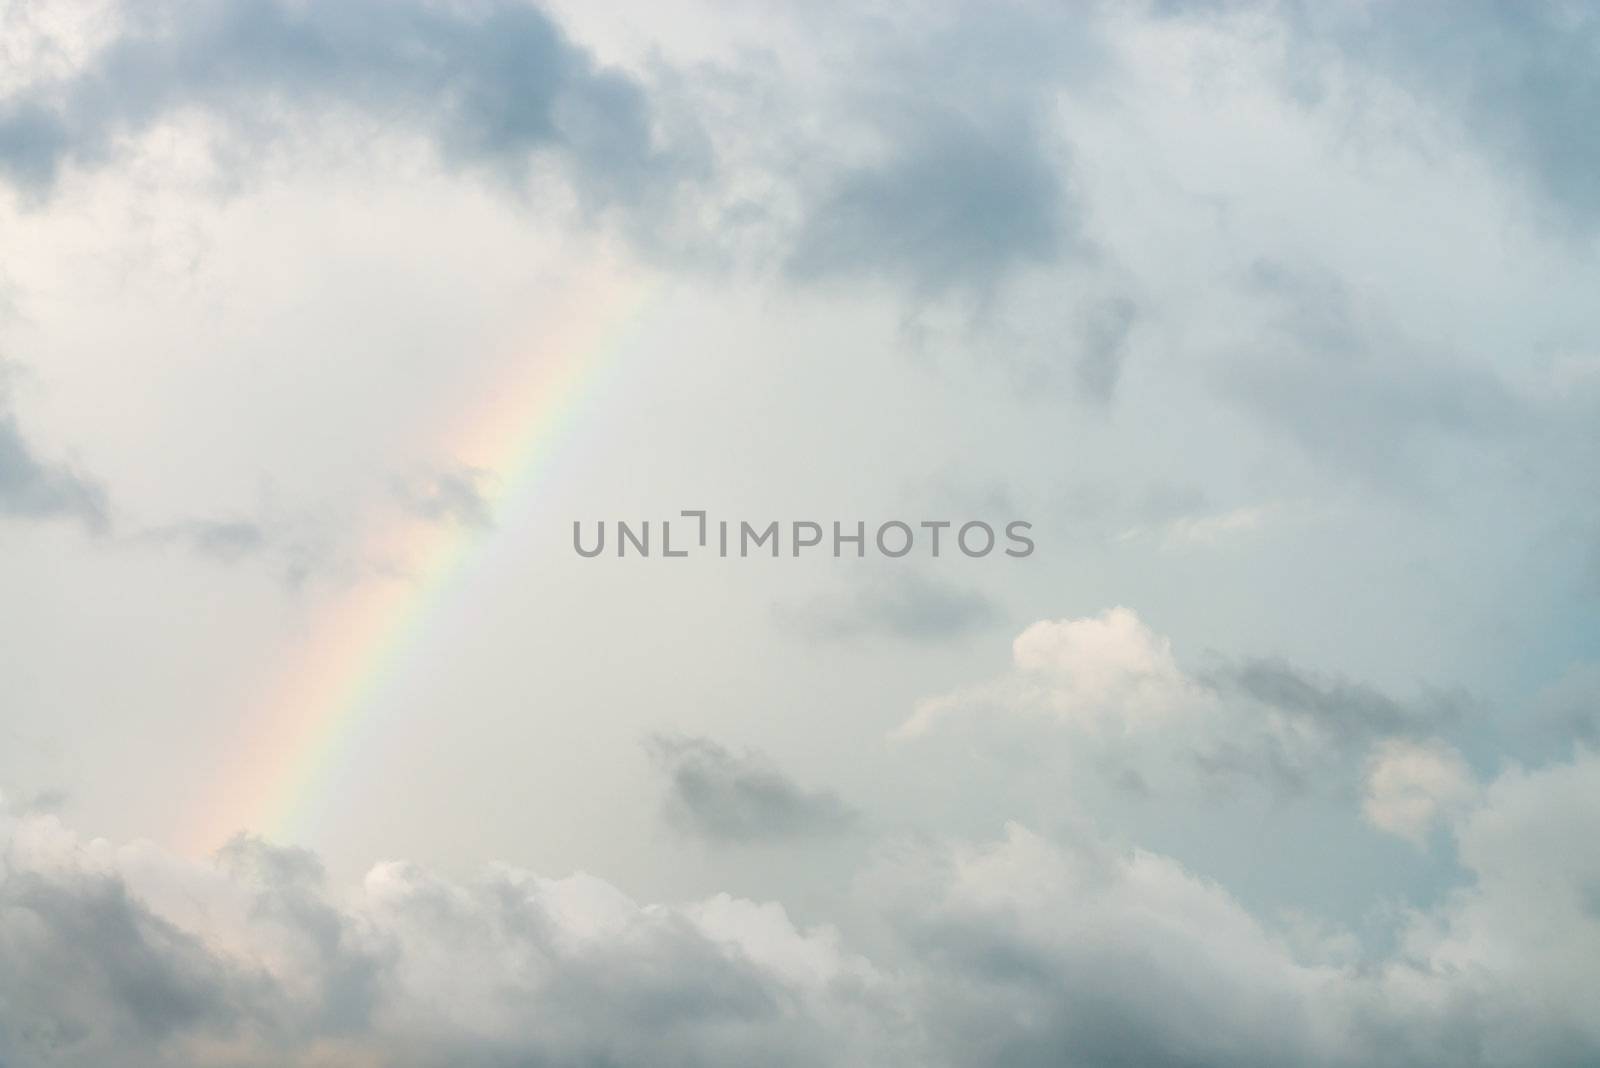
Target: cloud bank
1029, 948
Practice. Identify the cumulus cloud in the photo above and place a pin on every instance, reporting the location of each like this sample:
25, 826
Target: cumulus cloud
1114, 692
1103, 672
729, 797
1508, 959
130, 956
1057, 952
1070, 948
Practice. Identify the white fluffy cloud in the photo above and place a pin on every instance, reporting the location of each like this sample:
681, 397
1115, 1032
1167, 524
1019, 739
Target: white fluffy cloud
1106, 672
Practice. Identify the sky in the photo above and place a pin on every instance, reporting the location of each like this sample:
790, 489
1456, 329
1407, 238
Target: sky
323, 326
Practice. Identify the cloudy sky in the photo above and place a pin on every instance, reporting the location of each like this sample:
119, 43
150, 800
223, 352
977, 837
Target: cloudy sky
322, 324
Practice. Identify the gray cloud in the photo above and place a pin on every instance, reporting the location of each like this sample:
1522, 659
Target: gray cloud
1025, 949
967, 180
279, 973
904, 605
1335, 725
967, 185
226, 540
289, 891
1355, 394
729, 797
1104, 346
1515, 80
31, 488
297, 552
1518, 79
452, 495
448, 495
1037, 949
960, 202
34, 488
82, 957
1350, 711
491, 84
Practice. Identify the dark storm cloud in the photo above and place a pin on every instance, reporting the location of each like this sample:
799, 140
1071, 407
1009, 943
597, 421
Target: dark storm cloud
906, 605
491, 84
729, 797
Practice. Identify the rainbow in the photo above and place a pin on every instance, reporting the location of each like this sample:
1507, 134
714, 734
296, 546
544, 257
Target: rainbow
294, 746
